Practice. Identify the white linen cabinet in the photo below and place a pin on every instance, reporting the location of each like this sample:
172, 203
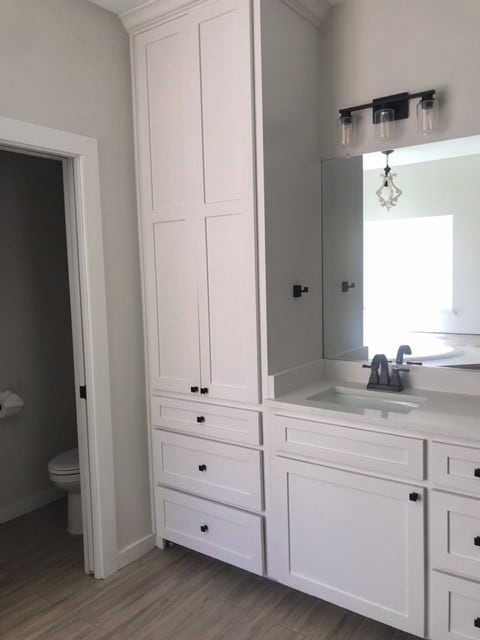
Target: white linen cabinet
194, 129
226, 100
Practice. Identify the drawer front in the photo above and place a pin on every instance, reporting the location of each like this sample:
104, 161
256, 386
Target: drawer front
455, 466
455, 534
218, 531
455, 608
214, 470
199, 419
349, 446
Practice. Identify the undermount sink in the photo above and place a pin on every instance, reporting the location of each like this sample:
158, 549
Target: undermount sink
346, 399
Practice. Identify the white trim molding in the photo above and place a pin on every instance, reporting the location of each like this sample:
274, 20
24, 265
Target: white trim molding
97, 456
136, 550
155, 11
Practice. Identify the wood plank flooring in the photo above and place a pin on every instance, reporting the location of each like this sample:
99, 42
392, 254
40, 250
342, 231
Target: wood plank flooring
167, 595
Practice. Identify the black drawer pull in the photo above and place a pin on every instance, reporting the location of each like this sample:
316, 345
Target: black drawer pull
200, 419
194, 389
414, 497
203, 390
202, 467
476, 473
476, 541
476, 622
204, 528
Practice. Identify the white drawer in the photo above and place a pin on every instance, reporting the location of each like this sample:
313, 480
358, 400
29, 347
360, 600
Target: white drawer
211, 421
349, 446
214, 470
218, 531
455, 608
455, 466
455, 533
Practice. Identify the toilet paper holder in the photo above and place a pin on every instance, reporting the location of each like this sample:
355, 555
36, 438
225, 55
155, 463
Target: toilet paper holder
10, 403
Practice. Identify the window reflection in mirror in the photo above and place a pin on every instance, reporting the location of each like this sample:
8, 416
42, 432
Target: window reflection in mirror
416, 268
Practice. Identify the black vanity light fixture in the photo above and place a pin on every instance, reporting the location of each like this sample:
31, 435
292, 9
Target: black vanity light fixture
385, 111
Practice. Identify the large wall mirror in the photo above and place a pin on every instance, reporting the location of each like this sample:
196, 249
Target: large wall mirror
409, 275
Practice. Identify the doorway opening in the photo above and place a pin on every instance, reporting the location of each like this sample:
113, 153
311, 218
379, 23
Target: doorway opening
74, 161
40, 287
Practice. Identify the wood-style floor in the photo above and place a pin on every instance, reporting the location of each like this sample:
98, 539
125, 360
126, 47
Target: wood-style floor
167, 595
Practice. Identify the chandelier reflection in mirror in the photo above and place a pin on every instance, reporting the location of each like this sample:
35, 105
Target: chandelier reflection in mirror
388, 193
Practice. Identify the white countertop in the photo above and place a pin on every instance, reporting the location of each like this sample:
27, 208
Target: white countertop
439, 414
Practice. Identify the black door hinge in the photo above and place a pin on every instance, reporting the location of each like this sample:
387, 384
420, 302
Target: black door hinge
83, 391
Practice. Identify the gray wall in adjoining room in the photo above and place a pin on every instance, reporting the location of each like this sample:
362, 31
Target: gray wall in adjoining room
36, 354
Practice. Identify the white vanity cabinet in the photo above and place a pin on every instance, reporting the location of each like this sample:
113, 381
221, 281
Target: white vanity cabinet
209, 492
455, 541
344, 535
194, 132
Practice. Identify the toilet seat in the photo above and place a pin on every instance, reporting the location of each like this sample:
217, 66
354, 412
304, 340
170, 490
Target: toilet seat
65, 464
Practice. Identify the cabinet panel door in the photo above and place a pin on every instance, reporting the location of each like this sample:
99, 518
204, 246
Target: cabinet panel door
455, 608
170, 186
228, 289
167, 121
455, 533
225, 67
172, 307
350, 539
229, 339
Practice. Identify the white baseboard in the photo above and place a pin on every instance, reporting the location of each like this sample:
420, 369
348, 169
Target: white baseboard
135, 550
30, 503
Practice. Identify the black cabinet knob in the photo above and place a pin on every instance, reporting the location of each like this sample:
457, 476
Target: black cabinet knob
413, 497
476, 473
476, 541
203, 390
194, 389
204, 528
476, 622
202, 467
200, 419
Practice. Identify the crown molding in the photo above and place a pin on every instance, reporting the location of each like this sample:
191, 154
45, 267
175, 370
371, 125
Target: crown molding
155, 11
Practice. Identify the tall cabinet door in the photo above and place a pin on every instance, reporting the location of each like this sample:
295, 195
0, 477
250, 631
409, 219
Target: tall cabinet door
353, 540
227, 280
167, 130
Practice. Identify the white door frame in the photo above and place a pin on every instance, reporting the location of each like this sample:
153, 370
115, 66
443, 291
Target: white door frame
89, 324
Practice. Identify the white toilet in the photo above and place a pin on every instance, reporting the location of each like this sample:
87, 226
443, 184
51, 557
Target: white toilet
64, 473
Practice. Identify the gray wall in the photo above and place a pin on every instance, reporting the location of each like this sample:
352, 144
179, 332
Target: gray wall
35, 330
291, 103
374, 48
65, 64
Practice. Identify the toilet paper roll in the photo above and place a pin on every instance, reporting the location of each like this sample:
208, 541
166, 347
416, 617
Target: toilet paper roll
10, 404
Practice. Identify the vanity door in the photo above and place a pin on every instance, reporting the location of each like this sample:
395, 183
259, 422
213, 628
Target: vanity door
350, 539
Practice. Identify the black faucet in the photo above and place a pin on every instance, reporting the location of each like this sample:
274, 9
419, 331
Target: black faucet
403, 350
378, 378
381, 380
